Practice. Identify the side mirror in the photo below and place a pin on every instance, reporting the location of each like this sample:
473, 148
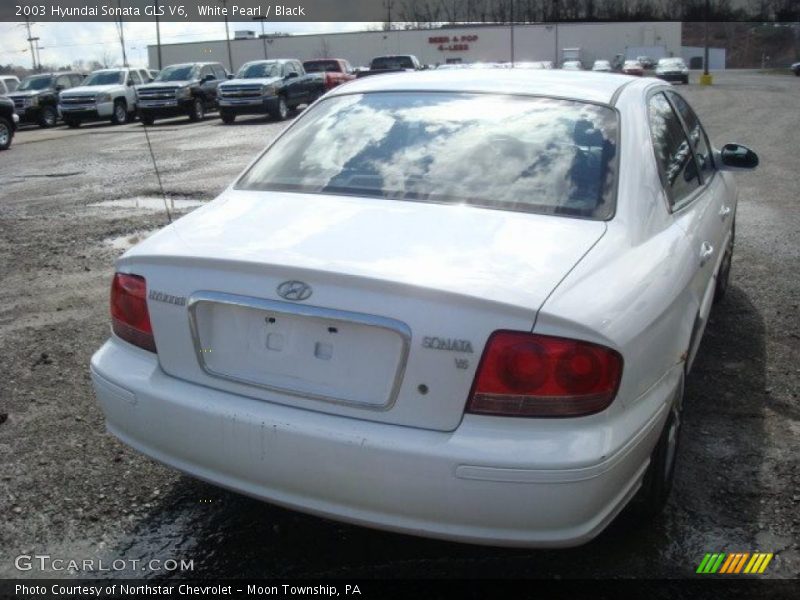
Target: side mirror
291, 75
207, 78
59, 87
230, 75
130, 82
734, 157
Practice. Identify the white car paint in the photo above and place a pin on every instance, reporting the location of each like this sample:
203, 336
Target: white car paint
413, 461
84, 99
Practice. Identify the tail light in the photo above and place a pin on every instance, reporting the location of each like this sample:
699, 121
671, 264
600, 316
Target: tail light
530, 375
130, 319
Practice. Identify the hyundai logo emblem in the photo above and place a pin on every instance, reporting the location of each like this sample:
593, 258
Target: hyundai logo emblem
294, 290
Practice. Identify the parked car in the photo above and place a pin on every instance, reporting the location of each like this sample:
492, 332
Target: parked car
185, 89
104, 94
330, 72
8, 83
672, 69
632, 67
602, 66
36, 97
646, 62
572, 65
8, 122
267, 87
392, 63
452, 306
796, 68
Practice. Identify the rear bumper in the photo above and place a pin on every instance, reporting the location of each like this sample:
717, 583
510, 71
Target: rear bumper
480, 483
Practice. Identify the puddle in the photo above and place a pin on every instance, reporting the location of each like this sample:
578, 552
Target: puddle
123, 242
147, 204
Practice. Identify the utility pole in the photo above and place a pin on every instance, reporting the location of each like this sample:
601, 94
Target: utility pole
158, 36
122, 35
227, 35
31, 39
512, 34
705, 78
389, 4
263, 35
556, 62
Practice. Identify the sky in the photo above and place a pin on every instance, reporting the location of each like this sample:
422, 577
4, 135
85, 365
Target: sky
63, 43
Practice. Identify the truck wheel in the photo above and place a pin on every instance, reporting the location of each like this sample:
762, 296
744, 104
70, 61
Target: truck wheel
198, 111
146, 120
120, 114
49, 117
6, 133
227, 117
283, 109
660, 474
72, 123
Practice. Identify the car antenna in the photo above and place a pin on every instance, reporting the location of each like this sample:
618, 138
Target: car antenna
158, 174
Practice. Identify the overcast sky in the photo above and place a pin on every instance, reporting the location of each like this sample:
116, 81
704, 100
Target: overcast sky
63, 43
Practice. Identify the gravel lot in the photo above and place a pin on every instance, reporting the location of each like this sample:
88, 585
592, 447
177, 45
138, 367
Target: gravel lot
69, 490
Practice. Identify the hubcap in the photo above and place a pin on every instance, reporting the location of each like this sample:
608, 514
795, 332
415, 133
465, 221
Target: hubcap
49, 117
4, 134
198, 109
121, 112
283, 108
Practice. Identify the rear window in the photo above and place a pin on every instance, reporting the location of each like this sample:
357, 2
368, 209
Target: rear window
322, 66
392, 62
518, 153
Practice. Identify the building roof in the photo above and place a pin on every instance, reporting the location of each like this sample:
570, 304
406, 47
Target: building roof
577, 85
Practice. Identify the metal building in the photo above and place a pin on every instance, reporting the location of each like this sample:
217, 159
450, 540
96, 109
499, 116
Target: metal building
442, 45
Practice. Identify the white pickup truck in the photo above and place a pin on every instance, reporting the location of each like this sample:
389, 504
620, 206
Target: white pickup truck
104, 94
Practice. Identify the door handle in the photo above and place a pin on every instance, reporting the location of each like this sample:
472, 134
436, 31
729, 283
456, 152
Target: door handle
706, 252
724, 212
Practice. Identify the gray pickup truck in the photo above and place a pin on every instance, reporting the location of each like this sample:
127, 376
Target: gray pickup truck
267, 87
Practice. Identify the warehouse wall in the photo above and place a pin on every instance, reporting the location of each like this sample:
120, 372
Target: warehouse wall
493, 43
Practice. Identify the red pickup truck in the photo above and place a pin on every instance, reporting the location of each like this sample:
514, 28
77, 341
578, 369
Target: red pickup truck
331, 71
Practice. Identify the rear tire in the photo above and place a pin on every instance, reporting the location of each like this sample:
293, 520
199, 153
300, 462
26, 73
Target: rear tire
6, 133
660, 474
198, 111
227, 117
120, 113
72, 123
146, 120
49, 117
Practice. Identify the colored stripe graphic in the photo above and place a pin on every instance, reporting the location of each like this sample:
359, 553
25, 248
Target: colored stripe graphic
734, 563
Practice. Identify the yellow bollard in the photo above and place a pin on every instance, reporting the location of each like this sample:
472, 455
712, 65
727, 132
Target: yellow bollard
706, 79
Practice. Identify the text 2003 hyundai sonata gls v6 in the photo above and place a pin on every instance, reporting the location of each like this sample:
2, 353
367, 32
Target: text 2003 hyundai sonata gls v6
433, 308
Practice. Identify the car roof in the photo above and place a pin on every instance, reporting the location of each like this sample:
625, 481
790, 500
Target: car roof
575, 85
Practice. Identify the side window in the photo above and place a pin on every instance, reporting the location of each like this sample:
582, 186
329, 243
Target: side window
697, 135
77, 79
3, 89
205, 72
134, 75
64, 81
289, 68
673, 154
219, 72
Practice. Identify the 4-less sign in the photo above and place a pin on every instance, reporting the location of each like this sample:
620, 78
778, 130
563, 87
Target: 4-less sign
454, 43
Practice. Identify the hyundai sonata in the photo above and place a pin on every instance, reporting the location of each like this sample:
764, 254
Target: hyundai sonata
436, 308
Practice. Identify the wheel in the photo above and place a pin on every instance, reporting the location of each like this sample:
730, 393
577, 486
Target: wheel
227, 117
146, 119
198, 111
283, 109
724, 275
6, 133
660, 474
120, 114
72, 123
49, 117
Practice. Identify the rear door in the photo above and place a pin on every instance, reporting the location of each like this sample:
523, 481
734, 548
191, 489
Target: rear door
697, 196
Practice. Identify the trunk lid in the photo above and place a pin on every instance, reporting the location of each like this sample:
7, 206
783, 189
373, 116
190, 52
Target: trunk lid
390, 307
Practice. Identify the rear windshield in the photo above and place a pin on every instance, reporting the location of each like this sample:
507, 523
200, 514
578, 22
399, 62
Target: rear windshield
392, 62
539, 155
321, 66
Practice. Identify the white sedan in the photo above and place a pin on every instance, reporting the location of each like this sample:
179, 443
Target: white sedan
436, 308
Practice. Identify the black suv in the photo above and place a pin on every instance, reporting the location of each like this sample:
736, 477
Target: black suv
8, 122
187, 89
36, 97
